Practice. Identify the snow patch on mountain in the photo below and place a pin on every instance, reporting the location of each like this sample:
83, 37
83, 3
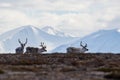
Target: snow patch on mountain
107, 41
9, 40
118, 30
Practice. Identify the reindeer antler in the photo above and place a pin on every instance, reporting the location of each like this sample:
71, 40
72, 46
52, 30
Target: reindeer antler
43, 44
85, 45
19, 41
26, 41
82, 45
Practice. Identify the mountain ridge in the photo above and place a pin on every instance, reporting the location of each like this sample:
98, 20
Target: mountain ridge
54, 31
9, 39
101, 41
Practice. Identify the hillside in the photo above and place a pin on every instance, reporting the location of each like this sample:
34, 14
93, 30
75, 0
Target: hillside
60, 66
9, 40
105, 41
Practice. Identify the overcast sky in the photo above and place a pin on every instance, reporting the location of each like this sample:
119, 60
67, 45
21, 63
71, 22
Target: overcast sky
77, 17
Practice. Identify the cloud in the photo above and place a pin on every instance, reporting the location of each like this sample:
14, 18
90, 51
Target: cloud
77, 24
2, 5
73, 16
50, 5
11, 18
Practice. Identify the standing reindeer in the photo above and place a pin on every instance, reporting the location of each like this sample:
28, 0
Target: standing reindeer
34, 50
77, 50
21, 48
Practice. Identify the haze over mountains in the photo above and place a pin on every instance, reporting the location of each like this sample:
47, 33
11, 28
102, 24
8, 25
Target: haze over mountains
9, 40
57, 41
56, 32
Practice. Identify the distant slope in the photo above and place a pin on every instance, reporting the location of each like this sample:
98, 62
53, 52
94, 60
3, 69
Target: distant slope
9, 40
56, 32
101, 41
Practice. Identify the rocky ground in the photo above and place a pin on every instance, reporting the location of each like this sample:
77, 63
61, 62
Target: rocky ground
60, 66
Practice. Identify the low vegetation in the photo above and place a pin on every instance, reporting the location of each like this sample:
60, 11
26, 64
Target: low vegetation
109, 69
113, 75
1, 71
23, 69
59, 66
68, 69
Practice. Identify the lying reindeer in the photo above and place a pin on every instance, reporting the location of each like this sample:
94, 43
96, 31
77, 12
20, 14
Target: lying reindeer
77, 50
21, 48
33, 50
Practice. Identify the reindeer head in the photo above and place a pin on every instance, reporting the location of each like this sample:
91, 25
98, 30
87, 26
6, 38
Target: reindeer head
22, 44
84, 48
43, 47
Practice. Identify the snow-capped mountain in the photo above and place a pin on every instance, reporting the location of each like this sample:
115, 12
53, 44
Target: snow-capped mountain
9, 40
100, 41
56, 32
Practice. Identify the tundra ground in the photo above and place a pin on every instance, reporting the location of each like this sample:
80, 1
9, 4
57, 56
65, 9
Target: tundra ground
60, 66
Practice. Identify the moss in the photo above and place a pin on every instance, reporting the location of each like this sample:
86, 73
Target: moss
23, 69
1, 71
113, 75
108, 69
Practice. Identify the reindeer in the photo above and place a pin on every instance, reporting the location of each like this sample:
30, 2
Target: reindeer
34, 50
21, 48
77, 50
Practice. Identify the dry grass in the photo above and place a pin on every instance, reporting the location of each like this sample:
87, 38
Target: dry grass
68, 69
58, 66
22, 68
